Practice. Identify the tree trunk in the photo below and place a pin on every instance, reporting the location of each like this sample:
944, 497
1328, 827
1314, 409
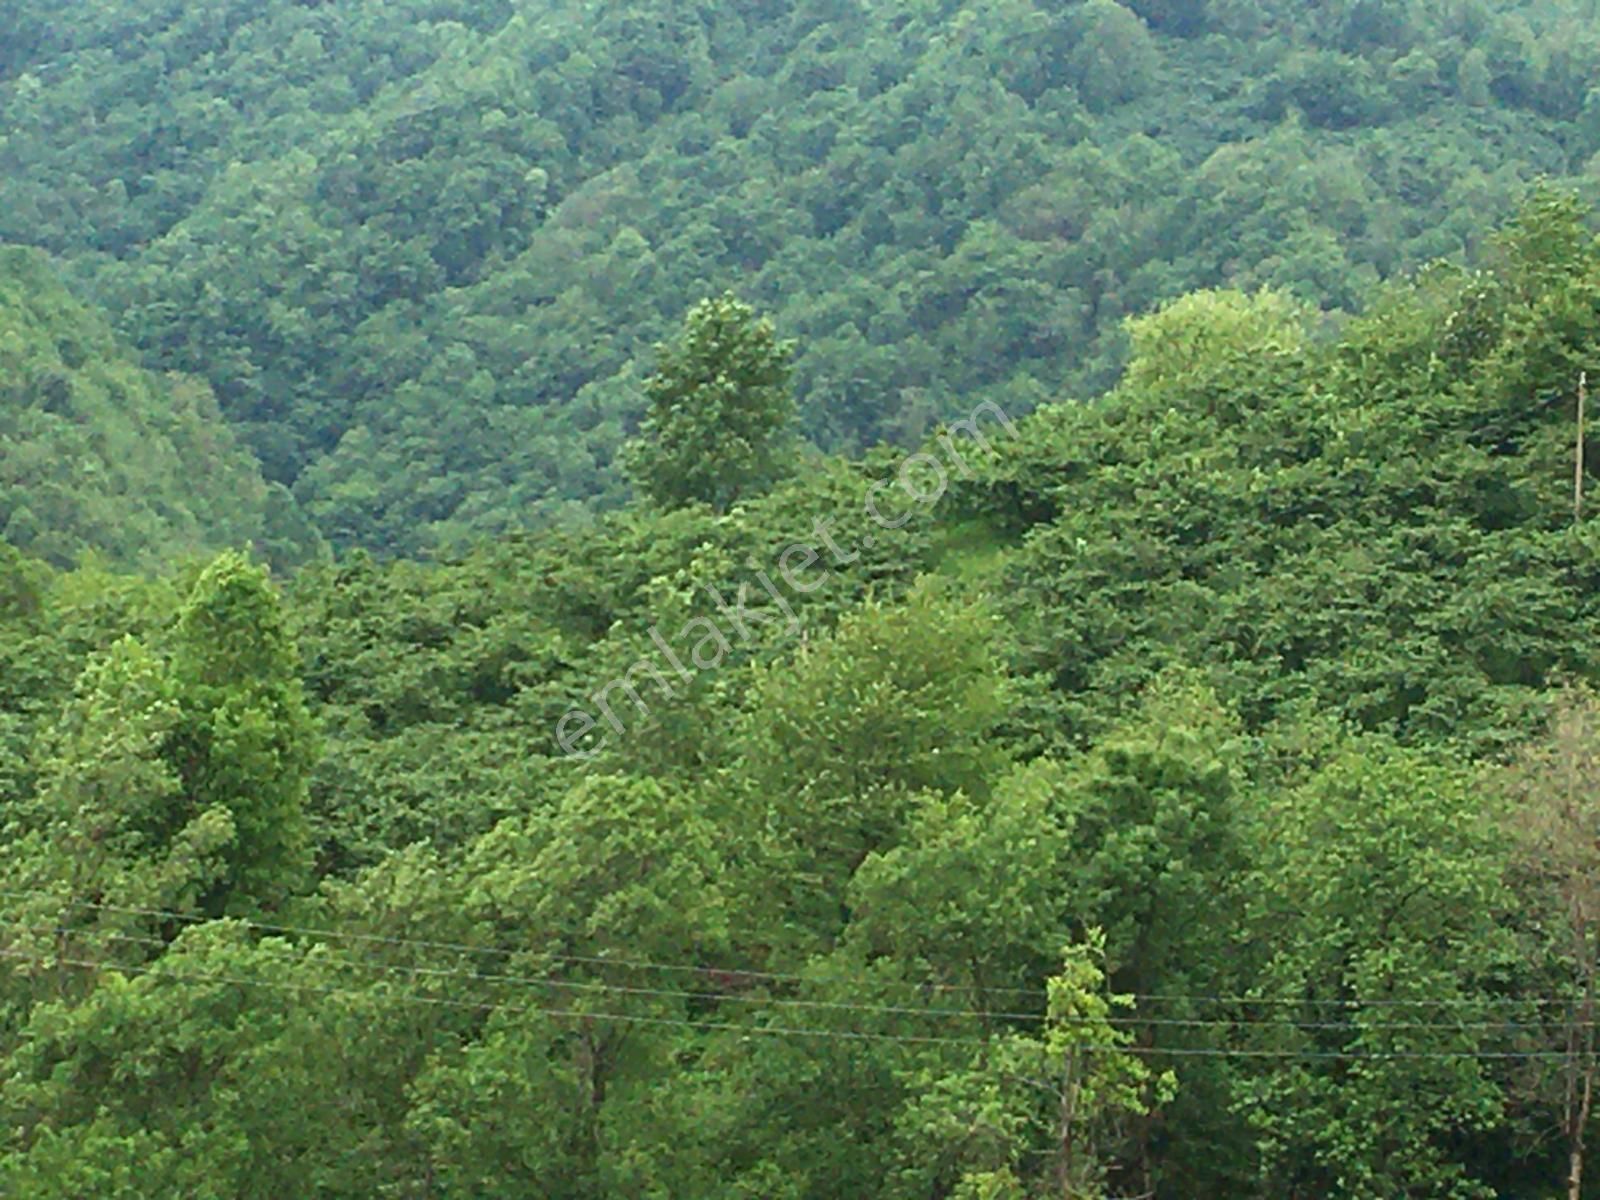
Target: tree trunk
1579, 1125
1578, 1113
1067, 1119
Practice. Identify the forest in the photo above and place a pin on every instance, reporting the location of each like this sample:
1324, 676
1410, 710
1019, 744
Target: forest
420, 249
796, 599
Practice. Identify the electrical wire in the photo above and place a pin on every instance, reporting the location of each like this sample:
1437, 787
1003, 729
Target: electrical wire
876, 1010
728, 974
159, 972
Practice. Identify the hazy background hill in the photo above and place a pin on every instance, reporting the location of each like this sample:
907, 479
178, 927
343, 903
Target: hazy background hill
418, 249
101, 454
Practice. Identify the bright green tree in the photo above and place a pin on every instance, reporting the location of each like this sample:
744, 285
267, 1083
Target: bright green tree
173, 780
1153, 856
1050, 1108
839, 744
975, 893
246, 742
110, 821
558, 1102
1203, 332
719, 406
1377, 890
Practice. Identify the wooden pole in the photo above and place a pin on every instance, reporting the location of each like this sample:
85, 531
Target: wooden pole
1577, 476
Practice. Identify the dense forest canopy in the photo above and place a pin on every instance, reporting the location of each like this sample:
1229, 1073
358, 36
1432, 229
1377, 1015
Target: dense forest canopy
421, 249
103, 455
1065, 532
1195, 798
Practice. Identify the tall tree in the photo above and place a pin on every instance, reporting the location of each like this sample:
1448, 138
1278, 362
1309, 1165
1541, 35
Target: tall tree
719, 406
246, 741
1050, 1108
1371, 1076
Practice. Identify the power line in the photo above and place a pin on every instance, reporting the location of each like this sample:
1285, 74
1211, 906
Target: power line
726, 974
504, 952
553, 981
159, 972
1358, 1002
156, 971
882, 1010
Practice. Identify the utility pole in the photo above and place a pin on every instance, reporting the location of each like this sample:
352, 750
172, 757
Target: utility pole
1577, 475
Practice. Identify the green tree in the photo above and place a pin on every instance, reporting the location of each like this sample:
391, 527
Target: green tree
839, 743
1184, 341
1153, 854
246, 742
1414, 80
975, 892
1554, 811
173, 781
1473, 78
719, 405
1366, 871
1115, 58
111, 819
1048, 1109
625, 870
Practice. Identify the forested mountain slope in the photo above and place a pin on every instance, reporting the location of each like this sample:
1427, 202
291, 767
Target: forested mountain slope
1257, 692
102, 455
1178, 779
420, 248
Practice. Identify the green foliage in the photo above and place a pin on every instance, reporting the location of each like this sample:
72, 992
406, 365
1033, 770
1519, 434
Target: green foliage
1069, 1087
1235, 682
420, 250
1384, 858
719, 407
247, 743
1327, 523
1115, 59
175, 777
104, 457
1179, 343
973, 889
1474, 78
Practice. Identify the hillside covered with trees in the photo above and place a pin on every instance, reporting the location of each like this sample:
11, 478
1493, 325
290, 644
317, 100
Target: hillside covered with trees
103, 456
796, 599
1187, 792
420, 249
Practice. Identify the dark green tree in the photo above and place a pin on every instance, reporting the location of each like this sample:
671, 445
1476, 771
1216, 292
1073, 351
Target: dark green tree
1116, 60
